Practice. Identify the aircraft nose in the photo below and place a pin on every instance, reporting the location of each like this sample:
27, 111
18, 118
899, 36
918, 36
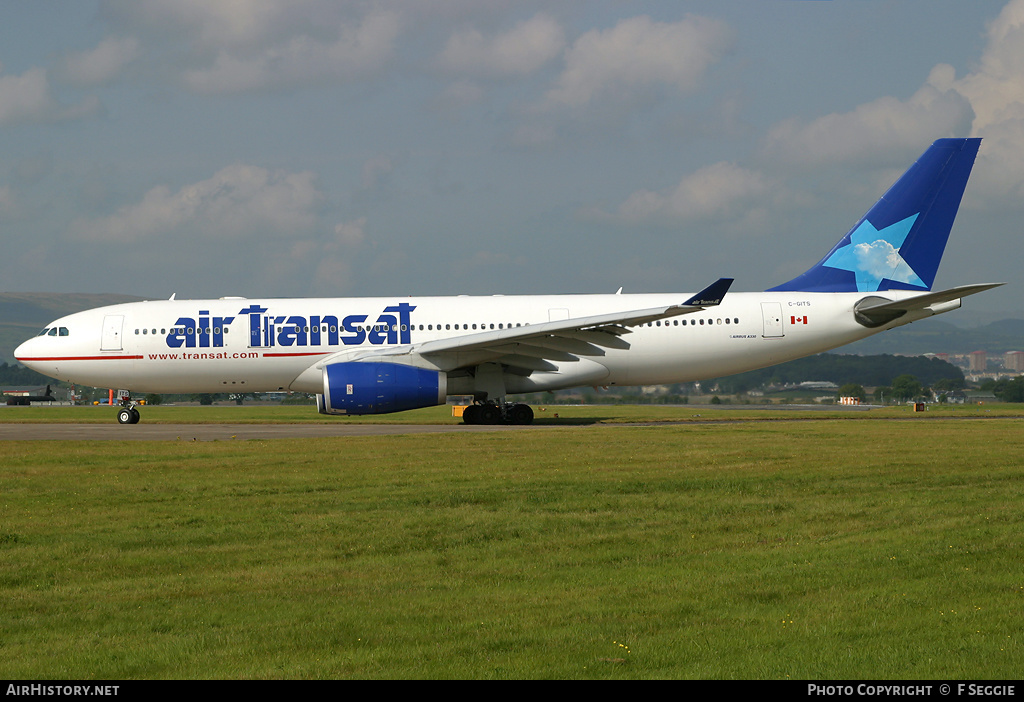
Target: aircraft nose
24, 353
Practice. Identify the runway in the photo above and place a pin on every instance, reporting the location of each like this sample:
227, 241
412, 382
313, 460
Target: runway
224, 432
150, 431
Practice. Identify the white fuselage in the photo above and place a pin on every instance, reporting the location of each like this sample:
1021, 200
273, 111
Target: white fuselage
245, 345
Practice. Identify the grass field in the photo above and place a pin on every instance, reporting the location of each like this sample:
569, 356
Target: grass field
889, 546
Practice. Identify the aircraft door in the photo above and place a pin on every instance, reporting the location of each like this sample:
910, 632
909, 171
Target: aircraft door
112, 328
772, 314
259, 337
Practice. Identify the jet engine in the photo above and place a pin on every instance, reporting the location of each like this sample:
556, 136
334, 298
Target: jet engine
379, 388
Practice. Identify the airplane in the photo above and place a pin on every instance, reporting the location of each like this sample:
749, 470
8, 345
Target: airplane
390, 354
26, 400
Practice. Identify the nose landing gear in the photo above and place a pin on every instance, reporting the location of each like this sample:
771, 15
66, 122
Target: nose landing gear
127, 414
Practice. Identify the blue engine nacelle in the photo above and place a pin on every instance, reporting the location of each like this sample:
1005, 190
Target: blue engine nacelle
378, 388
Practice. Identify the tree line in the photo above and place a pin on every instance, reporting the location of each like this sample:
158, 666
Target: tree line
840, 369
1005, 389
19, 375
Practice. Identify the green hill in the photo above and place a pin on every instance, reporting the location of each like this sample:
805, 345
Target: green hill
937, 336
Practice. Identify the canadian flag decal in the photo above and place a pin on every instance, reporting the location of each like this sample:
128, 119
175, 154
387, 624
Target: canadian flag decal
798, 320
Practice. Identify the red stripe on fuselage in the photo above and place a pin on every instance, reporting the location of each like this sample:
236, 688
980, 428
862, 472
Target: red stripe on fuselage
80, 358
308, 353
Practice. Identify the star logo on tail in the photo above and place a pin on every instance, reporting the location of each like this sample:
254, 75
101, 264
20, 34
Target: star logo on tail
873, 255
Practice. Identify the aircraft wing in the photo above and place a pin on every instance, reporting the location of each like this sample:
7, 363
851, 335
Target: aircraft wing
876, 311
534, 346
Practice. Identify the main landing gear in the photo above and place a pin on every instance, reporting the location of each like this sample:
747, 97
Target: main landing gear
127, 414
493, 413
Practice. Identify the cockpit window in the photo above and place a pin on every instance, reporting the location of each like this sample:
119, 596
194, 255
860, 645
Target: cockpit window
64, 331
43, 332
52, 332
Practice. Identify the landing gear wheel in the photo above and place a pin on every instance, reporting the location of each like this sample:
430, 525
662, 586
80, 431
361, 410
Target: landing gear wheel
471, 415
489, 414
128, 415
520, 414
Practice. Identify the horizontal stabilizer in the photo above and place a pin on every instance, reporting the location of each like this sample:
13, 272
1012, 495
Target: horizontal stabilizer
876, 311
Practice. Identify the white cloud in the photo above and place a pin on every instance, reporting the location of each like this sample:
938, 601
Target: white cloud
638, 53
986, 102
102, 64
25, 97
520, 51
355, 51
234, 24
884, 126
28, 98
996, 93
996, 88
721, 190
239, 201
351, 233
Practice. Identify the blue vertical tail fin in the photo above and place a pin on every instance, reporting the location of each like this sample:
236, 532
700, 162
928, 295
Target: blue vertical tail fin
898, 244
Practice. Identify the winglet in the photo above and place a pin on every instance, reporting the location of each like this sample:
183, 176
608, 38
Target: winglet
711, 295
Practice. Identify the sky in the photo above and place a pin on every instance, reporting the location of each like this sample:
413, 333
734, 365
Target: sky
270, 148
